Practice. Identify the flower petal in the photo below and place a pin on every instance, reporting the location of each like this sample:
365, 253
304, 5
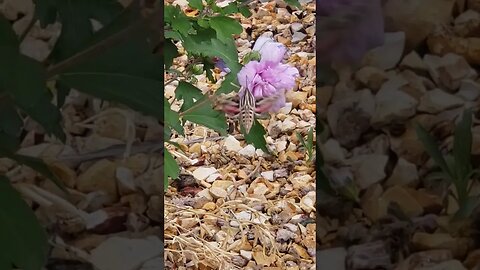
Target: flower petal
282, 76
273, 52
270, 50
247, 73
260, 42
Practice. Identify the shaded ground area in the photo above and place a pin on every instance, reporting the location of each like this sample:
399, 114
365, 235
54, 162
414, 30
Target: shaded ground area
426, 73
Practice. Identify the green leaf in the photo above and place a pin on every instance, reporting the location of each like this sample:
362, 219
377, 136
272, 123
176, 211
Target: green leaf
171, 168
230, 9
126, 71
203, 114
8, 40
23, 81
27, 87
211, 3
173, 35
203, 23
138, 93
300, 139
256, 136
467, 207
432, 149
46, 12
310, 138
187, 92
293, 3
245, 11
5, 262
225, 27
34, 163
349, 191
177, 20
462, 146
172, 118
24, 241
227, 84
62, 93
175, 144
169, 13
39, 166
75, 16
170, 52
167, 133
196, 4
10, 122
450, 160
208, 67
205, 43
253, 55
9, 143
182, 24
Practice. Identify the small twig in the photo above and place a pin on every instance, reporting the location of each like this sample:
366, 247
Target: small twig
256, 169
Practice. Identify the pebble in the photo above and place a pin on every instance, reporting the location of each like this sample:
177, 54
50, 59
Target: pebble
369, 169
387, 56
99, 176
296, 27
298, 36
404, 174
393, 105
469, 90
449, 70
203, 172
269, 175
248, 151
437, 100
232, 144
129, 253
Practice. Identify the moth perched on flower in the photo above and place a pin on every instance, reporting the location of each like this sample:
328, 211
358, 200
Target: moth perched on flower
263, 84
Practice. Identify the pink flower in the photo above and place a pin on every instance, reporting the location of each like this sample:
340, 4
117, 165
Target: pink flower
269, 76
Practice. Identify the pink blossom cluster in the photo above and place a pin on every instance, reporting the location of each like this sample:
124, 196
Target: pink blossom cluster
269, 76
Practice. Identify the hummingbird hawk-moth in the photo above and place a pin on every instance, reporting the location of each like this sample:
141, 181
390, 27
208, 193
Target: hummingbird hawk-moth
244, 107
